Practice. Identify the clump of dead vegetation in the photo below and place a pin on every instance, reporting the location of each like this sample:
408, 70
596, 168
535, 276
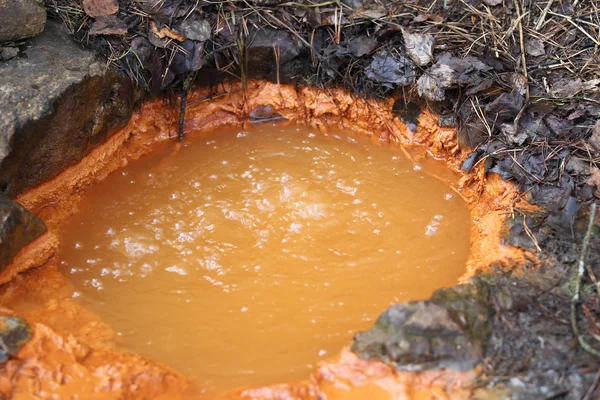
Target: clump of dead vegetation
512, 74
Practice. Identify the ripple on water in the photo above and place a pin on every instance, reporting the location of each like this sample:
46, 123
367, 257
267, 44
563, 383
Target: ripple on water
247, 256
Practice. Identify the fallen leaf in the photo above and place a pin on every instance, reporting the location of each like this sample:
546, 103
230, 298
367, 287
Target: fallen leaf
108, 25
362, 45
165, 32
100, 8
419, 47
534, 47
505, 107
566, 88
594, 180
434, 82
591, 84
389, 69
428, 17
595, 138
369, 14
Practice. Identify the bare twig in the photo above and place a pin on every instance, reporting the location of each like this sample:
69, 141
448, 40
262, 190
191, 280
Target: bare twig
579, 278
523, 67
590, 392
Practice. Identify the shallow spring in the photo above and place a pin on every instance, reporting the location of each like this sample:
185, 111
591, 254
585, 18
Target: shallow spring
245, 256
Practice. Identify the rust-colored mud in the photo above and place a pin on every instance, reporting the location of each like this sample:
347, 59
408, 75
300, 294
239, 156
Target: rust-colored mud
73, 350
349, 378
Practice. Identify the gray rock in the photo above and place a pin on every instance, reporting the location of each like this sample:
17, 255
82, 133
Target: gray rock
14, 333
195, 29
264, 113
18, 227
58, 102
21, 19
6, 53
448, 331
261, 44
447, 121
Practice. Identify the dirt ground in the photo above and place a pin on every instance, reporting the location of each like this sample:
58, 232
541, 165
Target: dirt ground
519, 80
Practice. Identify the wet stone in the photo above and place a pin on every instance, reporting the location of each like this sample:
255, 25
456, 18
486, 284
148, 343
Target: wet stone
447, 121
58, 102
21, 19
18, 227
14, 333
6, 53
264, 113
447, 331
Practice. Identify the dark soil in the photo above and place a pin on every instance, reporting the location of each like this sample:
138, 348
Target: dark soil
518, 78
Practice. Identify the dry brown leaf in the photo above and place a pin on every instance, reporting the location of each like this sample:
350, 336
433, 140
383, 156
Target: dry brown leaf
165, 32
594, 181
108, 25
535, 47
595, 138
100, 8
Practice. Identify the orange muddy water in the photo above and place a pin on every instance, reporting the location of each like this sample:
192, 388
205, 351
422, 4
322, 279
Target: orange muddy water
243, 257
